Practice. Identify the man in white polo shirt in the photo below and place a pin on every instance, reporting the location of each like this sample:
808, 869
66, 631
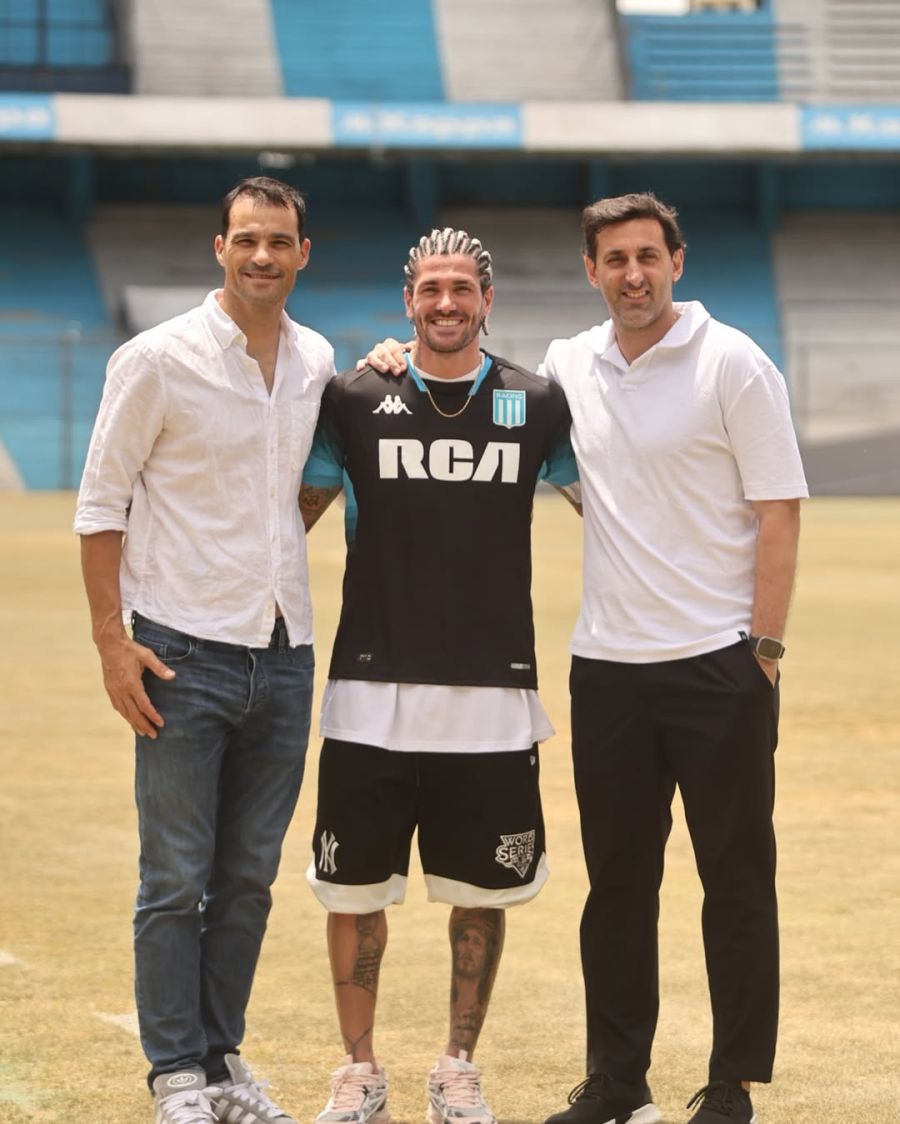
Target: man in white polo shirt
691, 482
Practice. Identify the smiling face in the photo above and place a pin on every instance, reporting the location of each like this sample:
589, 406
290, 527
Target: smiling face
262, 253
446, 305
635, 270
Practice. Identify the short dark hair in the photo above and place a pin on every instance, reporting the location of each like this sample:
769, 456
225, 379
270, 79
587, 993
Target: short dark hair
263, 189
623, 208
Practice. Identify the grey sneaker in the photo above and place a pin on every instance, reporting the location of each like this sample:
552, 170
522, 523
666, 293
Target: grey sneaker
358, 1095
184, 1098
454, 1090
243, 1099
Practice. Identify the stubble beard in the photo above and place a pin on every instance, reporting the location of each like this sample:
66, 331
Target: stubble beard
470, 332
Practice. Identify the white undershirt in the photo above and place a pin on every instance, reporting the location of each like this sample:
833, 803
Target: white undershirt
433, 718
428, 718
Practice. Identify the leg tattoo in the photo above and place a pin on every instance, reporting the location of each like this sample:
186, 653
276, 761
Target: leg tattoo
356, 944
369, 950
476, 941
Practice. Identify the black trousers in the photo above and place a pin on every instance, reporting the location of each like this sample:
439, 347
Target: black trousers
708, 724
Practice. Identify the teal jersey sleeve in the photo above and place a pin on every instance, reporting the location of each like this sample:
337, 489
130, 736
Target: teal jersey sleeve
351, 511
560, 467
324, 466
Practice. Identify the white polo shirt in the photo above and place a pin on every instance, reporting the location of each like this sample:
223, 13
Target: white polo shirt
201, 467
671, 449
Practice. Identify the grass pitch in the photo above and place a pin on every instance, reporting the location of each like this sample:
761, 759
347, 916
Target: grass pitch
68, 849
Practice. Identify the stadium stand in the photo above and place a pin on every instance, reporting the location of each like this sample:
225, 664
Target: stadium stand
851, 49
784, 170
840, 289
567, 50
54, 339
205, 48
63, 45
357, 50
704, 55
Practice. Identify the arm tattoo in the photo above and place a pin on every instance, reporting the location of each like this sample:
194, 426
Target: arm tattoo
314, 502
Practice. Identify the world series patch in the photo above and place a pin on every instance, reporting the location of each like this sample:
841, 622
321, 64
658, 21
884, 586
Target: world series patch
516, 852
509, 408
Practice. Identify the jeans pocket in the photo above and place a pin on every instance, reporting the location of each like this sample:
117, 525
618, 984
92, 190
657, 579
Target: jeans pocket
169, 646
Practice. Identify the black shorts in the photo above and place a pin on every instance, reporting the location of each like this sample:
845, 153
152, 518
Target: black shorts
479, 818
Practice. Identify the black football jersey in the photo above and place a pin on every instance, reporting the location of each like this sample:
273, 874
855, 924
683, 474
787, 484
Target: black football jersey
437, 587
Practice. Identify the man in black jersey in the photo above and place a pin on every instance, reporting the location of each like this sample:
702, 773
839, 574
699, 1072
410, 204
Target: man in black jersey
431, 704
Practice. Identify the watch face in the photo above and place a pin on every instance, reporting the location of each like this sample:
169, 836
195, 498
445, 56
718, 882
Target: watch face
769, 649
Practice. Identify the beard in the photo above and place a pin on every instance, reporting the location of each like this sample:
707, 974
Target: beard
445, 344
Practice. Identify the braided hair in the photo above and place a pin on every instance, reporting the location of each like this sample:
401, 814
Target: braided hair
449, 241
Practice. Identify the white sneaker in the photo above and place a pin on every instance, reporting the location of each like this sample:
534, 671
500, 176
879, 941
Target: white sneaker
358, 1095
184, 1098
454, 1090
243, 1100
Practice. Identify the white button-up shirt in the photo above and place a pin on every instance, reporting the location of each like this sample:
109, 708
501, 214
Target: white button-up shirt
201, 467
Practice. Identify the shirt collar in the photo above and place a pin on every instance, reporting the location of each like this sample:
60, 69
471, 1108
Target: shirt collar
691, 315
225, 330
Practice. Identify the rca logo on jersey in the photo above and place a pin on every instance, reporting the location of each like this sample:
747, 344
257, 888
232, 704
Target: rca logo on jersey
509, 408
328, 845
392, 404
448, 459
516, 852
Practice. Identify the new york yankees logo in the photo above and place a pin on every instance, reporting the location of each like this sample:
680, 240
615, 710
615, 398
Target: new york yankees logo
327, 847
392, 404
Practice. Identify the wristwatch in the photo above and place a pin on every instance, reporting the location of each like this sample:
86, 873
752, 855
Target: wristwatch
766, 647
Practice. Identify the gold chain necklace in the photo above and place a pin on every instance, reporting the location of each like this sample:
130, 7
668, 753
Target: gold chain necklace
441, 412
460, 411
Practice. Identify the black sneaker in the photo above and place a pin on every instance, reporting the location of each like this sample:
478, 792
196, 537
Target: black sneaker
600, 1099
720, 1101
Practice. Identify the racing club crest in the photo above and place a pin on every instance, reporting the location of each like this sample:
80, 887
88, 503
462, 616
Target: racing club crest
516, 852
509, 408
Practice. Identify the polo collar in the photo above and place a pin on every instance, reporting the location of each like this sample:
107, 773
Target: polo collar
691, 315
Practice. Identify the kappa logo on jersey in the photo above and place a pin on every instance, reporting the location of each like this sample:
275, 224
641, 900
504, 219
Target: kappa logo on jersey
509, 408
327, 847
448, 459
516, 852
392, 404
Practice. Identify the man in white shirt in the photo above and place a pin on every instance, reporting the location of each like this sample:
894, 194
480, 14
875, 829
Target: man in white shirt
195, 462
691, 486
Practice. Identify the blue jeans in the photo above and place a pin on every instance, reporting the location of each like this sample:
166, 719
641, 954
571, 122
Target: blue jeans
215, 793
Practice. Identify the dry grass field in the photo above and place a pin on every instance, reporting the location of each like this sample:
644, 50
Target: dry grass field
68, 865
